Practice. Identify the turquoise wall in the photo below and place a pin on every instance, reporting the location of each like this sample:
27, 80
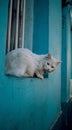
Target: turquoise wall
31, 103
28, 37
41, 25
66, 54
71, 53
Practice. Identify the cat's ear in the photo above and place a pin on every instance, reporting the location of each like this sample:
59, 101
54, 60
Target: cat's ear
59, 62
48, 56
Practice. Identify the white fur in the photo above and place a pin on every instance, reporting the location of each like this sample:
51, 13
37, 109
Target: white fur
22, 62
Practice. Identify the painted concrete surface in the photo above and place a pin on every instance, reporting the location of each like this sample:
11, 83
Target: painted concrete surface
31, 103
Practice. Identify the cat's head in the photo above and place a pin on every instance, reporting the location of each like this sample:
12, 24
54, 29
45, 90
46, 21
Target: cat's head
51, 63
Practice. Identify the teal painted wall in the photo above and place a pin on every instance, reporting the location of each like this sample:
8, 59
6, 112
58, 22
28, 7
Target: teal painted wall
31, 103
71, 53
66, 54
41, 31
55, 32
28, 38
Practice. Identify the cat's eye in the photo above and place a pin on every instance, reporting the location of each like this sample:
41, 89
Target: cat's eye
48, 63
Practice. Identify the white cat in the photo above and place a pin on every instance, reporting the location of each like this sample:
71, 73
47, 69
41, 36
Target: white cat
22, 62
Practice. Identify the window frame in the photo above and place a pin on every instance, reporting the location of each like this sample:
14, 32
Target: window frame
16, 24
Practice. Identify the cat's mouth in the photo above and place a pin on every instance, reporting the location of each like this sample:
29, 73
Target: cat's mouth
49, 71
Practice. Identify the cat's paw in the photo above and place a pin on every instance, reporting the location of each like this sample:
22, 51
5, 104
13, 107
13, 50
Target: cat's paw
41, 77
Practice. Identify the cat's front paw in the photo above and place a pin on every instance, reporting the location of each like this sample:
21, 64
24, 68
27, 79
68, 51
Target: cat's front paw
41, 77
39, 74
